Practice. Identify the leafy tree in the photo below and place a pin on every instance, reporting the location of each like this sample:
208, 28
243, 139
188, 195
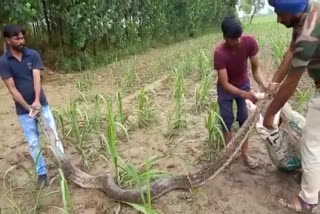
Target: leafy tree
79, 27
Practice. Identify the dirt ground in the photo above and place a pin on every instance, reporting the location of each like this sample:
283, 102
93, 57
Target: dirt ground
237, 190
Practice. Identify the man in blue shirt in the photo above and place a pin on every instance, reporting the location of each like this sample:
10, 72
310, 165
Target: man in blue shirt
20, 70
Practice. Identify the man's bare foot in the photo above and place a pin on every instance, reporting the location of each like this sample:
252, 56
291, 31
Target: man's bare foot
298, 205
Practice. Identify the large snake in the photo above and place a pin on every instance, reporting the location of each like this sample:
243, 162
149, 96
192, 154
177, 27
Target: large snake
161, 185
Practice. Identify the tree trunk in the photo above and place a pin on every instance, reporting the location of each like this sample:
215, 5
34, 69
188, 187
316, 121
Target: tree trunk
46, 18
34, 30
60, 36
36, 27
253, 14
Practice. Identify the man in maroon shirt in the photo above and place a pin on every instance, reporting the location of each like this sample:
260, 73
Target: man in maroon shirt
230, 60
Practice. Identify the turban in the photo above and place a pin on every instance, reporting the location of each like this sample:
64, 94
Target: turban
293, 7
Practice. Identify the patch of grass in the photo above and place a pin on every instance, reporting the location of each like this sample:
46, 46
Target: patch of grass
25, 199
138, 178
178, 119
187, 64
96, 119
76, 123
65, 194
215, 125
129, 79
204, 65
302, 97
79, 122
143, 171
279, 48
80, 131
145, 110
14, 205
109, 140
86, 81
121, 116
112, 137
202, 90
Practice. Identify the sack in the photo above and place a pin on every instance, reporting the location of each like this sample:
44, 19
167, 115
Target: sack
282, 143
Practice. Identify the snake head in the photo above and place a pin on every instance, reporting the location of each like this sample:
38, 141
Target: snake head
35, 112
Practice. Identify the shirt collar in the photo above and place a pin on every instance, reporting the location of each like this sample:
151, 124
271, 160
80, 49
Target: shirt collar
25, 52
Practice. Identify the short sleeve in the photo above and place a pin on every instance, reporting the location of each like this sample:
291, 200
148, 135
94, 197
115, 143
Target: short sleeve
218, 60
5, 71
253, 47
37, 61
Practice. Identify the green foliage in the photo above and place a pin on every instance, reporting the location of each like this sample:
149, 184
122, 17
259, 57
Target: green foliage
203, 88
79, 122
27, 198
142, 175
85, 82
179, 118
302, 97
251, 7
65, 194
112, 137
204, 64
145, 111
130, 78
78, 29
202, 91
121, 116
214, 125
279, 48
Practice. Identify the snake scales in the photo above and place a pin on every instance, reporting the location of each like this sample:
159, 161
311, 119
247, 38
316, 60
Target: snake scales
162, 185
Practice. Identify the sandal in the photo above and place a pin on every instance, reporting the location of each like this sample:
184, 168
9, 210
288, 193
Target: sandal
304, 207
251, 162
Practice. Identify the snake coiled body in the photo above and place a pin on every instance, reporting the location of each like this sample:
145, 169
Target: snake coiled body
162, 185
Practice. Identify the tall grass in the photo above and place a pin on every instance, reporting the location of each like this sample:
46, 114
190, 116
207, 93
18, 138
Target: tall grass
112, 137
80, 133
302, 97
78, 122
122, 117
139, 178
27, 198
204, 66
143, 171
65, 194
187, 64
96, 119
145, 110
13, 204
279, 48
85, 82
129, 78
109, 140
215, 125
179, 118
202, 90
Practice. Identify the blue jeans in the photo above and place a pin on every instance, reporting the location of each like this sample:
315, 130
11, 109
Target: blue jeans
225, 101
31, 134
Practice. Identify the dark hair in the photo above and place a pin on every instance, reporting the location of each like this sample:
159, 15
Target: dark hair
231, 28
13, 30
